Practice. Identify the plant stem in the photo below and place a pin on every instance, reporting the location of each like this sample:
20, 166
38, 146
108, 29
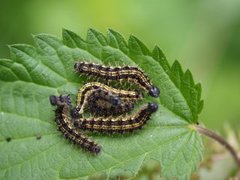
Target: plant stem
219, 139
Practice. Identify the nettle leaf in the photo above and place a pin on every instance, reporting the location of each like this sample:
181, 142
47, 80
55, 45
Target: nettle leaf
32, 148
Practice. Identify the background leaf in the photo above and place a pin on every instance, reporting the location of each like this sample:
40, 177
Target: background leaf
33, 74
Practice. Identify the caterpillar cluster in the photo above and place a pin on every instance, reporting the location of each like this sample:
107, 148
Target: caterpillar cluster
110, 107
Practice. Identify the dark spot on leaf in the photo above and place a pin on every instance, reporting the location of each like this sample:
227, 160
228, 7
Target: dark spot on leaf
38, 137
8, 139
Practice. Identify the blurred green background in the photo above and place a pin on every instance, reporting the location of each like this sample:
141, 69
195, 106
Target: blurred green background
204, 35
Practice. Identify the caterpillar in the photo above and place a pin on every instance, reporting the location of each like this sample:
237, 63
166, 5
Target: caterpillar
127, 73
114, 97
101, 103
120, 124
65, 125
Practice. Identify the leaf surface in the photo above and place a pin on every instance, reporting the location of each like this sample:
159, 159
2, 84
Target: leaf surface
32, 148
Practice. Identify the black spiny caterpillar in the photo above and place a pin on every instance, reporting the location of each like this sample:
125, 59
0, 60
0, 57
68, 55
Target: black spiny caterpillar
102, 103
120, 124
65, 125
127, 73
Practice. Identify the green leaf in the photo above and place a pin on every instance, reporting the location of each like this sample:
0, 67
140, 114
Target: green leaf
32, 148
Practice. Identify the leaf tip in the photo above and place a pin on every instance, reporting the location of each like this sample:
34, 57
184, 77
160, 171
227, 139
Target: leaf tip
115, 33
137, 46
110, 30
177, 65
14, 46
33, 35
93, 31
132, 37
66, 31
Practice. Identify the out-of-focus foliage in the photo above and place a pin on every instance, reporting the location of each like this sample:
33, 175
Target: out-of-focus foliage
203, 35
218, 163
